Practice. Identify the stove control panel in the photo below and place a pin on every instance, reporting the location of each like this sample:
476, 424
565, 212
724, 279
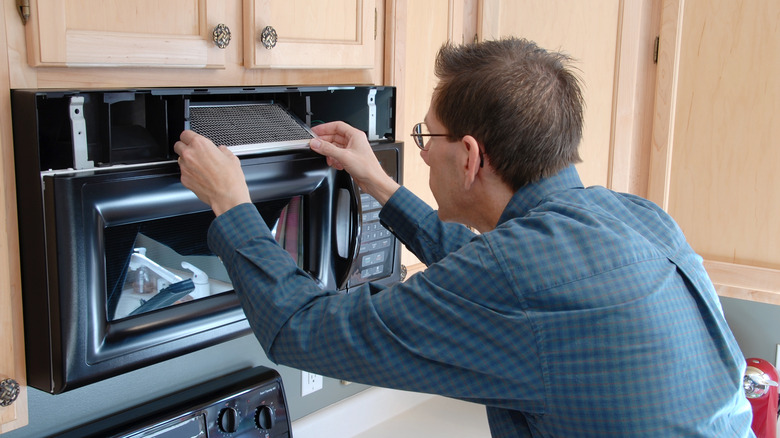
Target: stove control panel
250, 403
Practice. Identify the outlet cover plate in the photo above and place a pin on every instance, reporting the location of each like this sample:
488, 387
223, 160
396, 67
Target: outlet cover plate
777, 357
310, 382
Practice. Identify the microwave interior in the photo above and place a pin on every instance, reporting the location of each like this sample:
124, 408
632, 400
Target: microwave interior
151, 265
116, 271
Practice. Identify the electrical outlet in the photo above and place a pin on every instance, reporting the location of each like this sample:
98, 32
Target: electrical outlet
310, 382
777, 357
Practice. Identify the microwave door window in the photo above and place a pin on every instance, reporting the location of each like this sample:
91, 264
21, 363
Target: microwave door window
165, 262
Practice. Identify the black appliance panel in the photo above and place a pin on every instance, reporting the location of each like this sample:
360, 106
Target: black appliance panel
86, 207
379, 249
82, 229
248, 403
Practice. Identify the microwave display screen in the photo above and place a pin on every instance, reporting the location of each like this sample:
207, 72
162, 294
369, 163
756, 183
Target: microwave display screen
165, 262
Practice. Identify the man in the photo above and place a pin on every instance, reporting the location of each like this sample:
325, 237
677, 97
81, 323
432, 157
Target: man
574, 312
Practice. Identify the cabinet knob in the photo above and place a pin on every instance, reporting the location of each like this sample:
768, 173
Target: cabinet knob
9, 391
221, 36
268, 37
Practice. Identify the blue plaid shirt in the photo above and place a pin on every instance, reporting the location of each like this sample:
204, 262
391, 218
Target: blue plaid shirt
583, 313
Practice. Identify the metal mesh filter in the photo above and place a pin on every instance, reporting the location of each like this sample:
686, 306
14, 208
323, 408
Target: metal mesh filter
247, 124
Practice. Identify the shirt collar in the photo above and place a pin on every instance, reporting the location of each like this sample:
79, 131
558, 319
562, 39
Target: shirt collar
530, 195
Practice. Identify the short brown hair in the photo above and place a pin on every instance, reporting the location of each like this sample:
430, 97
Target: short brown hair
521, 102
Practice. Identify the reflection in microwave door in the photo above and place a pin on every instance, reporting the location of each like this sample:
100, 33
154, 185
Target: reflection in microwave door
155, 266
146, 278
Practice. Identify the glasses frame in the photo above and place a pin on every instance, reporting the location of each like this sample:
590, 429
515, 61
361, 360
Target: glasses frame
417, 136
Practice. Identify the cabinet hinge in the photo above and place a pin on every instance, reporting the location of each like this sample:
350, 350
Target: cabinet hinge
655, 49
375, 21
24, 9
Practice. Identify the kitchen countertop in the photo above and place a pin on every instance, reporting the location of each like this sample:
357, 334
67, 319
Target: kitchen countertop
386, 413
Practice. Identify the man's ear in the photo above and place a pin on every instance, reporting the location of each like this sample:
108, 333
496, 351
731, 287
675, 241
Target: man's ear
474, 160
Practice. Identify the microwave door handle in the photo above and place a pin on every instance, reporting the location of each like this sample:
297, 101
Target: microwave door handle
348, 227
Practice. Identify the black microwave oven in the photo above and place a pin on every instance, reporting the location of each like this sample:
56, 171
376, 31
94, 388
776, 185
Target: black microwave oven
116, 273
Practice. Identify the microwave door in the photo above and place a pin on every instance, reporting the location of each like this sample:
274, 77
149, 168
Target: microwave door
118, 310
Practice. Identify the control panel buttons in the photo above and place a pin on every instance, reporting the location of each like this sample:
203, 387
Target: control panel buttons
375, 255
265, 417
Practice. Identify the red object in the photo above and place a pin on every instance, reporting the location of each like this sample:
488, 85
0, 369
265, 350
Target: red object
760, 383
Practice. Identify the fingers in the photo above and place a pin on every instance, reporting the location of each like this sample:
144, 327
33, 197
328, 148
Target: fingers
185, 139
330, 151
338, 133
189, 139
332, 128
187, 136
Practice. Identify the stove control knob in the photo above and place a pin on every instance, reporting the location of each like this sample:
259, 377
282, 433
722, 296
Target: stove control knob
265, 417
228, 420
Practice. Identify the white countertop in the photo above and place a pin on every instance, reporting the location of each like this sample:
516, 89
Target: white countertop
386, 413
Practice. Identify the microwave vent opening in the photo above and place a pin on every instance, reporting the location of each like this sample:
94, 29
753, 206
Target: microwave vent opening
249, 127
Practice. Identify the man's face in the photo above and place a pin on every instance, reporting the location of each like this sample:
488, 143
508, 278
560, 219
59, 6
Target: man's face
440, 155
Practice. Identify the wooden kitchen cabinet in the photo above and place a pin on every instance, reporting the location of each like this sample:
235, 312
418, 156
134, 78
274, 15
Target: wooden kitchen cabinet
181, 33
138, 33
309, 34
12, 360
715, 145
415, 34
419, 30
611, 42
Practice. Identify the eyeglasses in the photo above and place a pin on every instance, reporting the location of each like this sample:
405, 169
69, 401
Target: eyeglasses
417, 135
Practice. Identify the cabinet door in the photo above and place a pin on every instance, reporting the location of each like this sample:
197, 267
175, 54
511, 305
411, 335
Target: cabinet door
150, 33
12, 365
588, 32
611, 42
416, 32
334, 34
715, 148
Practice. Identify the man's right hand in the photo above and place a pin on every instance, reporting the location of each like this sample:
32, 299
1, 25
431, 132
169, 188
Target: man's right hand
347, 148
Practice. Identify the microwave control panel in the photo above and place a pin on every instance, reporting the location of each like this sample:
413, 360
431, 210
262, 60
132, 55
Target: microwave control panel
377, 253
376, 244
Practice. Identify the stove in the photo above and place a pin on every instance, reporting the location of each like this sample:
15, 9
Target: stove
248, 403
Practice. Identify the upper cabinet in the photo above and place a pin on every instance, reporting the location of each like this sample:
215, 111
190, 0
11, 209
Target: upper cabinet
119, 33
611, 42
417, 31
226, 35
715, 145
293, 34
148, 43
13, 403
